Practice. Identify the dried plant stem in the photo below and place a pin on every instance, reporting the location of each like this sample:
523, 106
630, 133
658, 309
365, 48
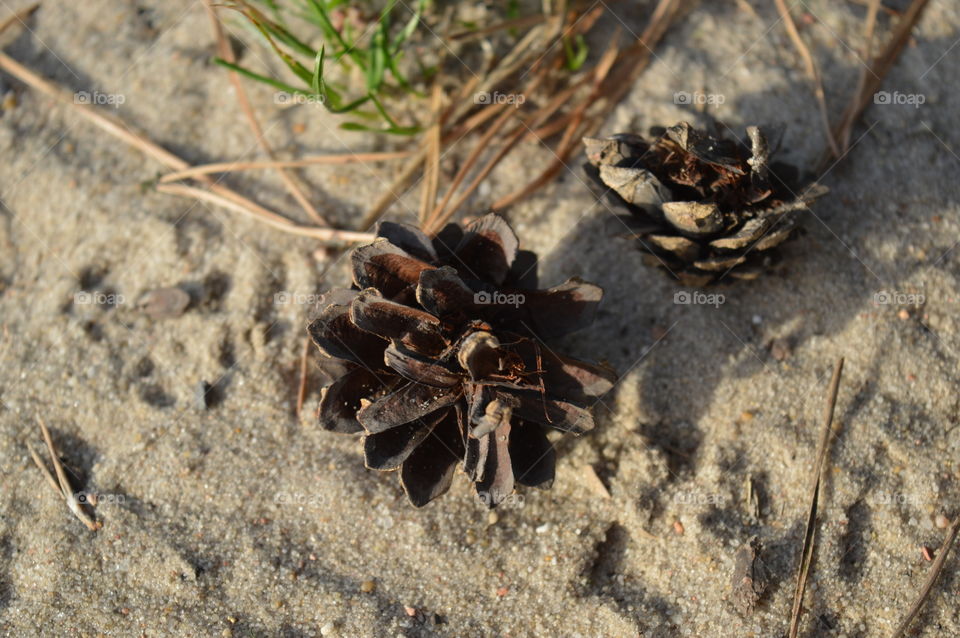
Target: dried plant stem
217, 192
431, 179
61, 485
266, 216
303, 162
879, 68
932, 577
806, 561
225, 51
18, 16
812, 71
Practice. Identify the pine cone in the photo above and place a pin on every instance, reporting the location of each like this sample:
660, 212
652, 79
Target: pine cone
701, 207
441, 341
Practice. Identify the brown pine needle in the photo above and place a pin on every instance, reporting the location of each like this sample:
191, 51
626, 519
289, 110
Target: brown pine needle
62, 484
806, 560
266, 216
932, 577
431, 175
879, 68
225, 51
812, 71
218, 192
18, 16
303, 162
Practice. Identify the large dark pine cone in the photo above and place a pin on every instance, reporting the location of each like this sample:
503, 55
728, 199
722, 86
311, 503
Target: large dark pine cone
702, 207
441, 342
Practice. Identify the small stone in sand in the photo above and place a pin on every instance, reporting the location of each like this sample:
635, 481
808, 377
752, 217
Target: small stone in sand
329, 629
410, 611
368, 586
164, 303
941, 521
678, 528
904, 314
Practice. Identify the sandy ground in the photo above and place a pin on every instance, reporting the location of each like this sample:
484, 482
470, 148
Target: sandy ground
236, 519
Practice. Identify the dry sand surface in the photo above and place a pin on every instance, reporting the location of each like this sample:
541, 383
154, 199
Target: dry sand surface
238, 519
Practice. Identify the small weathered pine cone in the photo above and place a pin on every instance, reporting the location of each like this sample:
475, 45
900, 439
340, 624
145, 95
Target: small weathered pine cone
445, 364
702, 208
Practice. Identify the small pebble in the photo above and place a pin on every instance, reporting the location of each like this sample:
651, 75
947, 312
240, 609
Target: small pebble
542, 529
164, 303
329, 629
492, 518
941, 521
757, 320
904, 314
503, 591
678, 528
410, 611
367, 586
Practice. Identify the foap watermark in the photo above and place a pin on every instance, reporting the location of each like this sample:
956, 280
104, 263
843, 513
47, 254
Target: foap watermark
886, 499
99, 99
896, 97
697, 298
96, 499
699, 498
914, 298
486, 97
283, 98
498, 298
698, 98
512, 500
290, 298
98, 298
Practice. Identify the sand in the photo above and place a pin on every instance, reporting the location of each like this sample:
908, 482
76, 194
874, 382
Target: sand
236, 518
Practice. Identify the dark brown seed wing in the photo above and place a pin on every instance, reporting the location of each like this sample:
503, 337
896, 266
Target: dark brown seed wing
498, 482
410, 238
487, 249
414, 328
386, 267
442, 292
409, 403
388, 449
533, 457
337, 336
418, 368
340, 402
428, 471
562, 309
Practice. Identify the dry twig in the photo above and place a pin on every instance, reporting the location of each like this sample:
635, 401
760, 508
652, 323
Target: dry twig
61, 485
806, 560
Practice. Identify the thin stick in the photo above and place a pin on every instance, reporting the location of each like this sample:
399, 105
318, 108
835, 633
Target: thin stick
879, 68
281, 223
314, 160
302, 390
431, 175
118, 129
869, 26
812, 71
935, 570
225, 51
62, 484
810, 534
18, 16
569, 140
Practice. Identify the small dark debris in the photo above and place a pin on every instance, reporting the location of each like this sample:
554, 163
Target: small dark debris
156, 396
207, 395
164, 303
749, 577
